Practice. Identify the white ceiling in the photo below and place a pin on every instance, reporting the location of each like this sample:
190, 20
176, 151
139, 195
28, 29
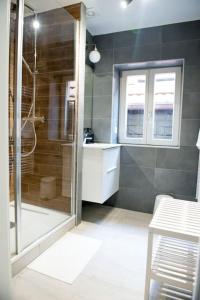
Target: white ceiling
110, 17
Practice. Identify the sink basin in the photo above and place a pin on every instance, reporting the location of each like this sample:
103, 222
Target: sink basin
100, 146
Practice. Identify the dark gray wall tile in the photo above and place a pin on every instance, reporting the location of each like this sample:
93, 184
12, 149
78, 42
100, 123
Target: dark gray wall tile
191, 105
89, 75
102, 106
89, 37
105, 41
134, 176
184, 158
88, 107
105, 65
137, 54
115, 106
181, 31
123, 55
102, 84
147, 53
134, 199
145, 157
189, 50
89, 84
89, 47
87, 122
175, 182
124, 39
189, 132
140, 37
192, 78
102, 130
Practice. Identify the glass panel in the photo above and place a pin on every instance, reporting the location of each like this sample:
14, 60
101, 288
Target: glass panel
163, 109
48, 118
135, 105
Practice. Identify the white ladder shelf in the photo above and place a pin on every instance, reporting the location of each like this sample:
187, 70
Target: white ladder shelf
173, 249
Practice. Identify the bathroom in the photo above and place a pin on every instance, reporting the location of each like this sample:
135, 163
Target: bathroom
103, 119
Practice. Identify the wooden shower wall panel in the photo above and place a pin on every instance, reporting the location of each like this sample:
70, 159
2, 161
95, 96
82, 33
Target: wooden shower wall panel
55, 65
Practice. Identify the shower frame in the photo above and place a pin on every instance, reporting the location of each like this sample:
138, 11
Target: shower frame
5, 270
5, 261
19, 60
17, 121
80, 32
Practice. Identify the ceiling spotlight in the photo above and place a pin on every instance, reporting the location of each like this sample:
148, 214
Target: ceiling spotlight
36, 24
125, 3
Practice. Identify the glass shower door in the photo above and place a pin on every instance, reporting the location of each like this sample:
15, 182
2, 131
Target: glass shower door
44, 131
48, 117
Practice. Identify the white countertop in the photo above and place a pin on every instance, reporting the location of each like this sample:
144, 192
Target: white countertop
100, 146
198, 141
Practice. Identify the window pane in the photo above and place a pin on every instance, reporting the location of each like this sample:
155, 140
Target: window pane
163, 110
135, 105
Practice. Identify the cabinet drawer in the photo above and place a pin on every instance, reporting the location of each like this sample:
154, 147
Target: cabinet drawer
111, 159
110, 182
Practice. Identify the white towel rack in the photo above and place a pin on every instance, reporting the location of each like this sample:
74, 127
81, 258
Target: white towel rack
173, 249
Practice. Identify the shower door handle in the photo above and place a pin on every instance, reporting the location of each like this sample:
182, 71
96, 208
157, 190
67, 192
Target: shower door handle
71, 120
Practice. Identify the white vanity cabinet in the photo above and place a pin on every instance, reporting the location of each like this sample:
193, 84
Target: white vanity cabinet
101, 165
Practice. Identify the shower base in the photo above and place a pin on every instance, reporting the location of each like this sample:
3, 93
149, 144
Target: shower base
60, 203
36, 222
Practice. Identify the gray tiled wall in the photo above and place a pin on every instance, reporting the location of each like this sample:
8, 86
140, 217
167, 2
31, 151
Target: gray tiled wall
89, 84
88, 101
145, 172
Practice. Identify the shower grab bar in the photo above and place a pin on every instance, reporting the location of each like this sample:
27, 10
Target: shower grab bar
70, 120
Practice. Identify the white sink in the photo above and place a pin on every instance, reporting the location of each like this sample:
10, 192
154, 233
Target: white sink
100, 146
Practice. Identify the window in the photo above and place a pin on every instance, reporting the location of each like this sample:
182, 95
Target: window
150, 107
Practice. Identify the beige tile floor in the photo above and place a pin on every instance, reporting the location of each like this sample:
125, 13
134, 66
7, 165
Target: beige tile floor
116, 272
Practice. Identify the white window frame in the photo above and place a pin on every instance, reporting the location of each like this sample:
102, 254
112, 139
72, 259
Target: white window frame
148, 113
123, 109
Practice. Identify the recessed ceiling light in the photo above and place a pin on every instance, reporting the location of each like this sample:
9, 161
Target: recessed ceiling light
125, 3
90, 12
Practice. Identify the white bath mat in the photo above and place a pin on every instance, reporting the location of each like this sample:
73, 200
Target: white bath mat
67, 258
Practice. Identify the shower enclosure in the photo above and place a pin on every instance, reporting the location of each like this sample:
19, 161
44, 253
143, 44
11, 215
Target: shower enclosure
42, 121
